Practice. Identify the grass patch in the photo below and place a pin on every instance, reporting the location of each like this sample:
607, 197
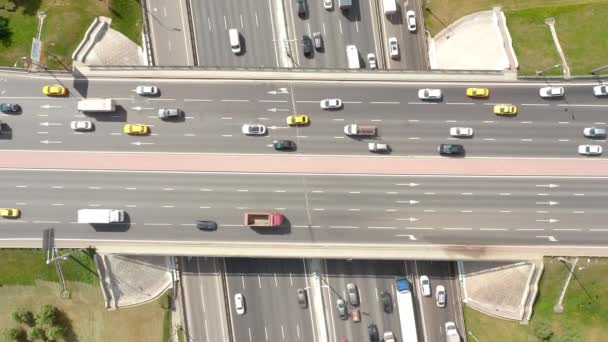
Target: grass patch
25, 266
585, 307
126, 18
578, 25
167, 325
65, 23
88, 318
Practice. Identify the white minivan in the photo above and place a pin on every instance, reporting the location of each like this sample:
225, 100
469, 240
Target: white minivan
235, 40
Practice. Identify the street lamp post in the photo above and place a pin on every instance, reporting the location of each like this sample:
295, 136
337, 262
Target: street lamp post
473, 336
540, 72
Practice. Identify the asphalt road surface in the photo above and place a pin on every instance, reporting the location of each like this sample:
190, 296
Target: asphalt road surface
358, 26
169, 32
318, 209
412, 46
269, 287
434, 317
371, 279
215, 112
255, 22
205, 306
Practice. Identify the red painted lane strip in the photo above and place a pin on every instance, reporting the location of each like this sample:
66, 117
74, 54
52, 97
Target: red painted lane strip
285, 163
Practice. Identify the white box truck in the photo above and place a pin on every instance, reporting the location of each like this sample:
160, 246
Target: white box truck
101, 216
405, 304
390, 6
96, 105
352, 56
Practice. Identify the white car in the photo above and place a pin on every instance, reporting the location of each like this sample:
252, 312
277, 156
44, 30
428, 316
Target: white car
239, 303
429, 94
328, 4
410, 18
547, 92
371, 61
393, 47
147, 90
377, 147
253, 129
81, 125
590, 150
331, 104
388, 336
425, 285
461, 132
600, 90
440, 296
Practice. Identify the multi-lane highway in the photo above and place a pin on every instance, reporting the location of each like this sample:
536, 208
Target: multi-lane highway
357, 210
216, 111
371, 278
269, 287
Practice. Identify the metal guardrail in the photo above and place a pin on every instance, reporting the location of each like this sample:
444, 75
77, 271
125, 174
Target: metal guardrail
146, 32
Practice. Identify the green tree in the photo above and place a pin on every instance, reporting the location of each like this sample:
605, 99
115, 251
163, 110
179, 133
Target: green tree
17, 334
47, 315
24, 316
36, 334
569, 336
543, 330
8, 5
55, 333
5, 31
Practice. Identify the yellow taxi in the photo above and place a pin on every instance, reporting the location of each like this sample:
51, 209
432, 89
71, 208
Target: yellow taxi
478, 92
10, 212
505, 109
136, 129
298, 120
55, 90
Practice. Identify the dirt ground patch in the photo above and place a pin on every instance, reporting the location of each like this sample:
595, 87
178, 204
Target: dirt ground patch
89, 320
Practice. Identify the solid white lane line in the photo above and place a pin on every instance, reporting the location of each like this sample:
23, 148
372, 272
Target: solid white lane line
348, 227
234, 100
374, 227
384, 102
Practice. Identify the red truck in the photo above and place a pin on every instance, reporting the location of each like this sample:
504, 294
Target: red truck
263, 219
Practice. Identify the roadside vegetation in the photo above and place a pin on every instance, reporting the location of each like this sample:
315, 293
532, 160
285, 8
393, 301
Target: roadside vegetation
64, 26
579, 25
28, 287
585, 308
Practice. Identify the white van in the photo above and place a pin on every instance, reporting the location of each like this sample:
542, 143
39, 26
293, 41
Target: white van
235, 41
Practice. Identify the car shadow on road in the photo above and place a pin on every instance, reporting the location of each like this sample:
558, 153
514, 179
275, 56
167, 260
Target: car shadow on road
6, 132
283, 229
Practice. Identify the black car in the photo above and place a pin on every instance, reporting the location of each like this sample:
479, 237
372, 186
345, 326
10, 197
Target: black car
284, 145
9, 108
372, 330
206, 225
302, 298
306, 45
301, 8
450, 149
387, 302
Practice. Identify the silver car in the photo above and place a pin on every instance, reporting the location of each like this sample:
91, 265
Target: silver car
548, 92
440, 296
430, 94
331, 104
371, 61
146, 90
167, 113
81, 125
253, 129
353, 294
461, 132
590, 150
593, 132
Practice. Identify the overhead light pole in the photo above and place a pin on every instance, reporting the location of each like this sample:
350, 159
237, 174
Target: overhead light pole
541, 72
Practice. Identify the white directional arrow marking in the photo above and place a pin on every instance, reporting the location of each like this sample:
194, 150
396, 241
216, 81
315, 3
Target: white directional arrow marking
549, 203
49, 106
547, 185
279, 91
140, 108
549, 220
411, 219
410, 202
274, 110
408, 184
550, 237
50, 124
50, 142
411, 237
139, 143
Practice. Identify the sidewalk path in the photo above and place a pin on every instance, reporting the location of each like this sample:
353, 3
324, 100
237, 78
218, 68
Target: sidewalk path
298, 164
